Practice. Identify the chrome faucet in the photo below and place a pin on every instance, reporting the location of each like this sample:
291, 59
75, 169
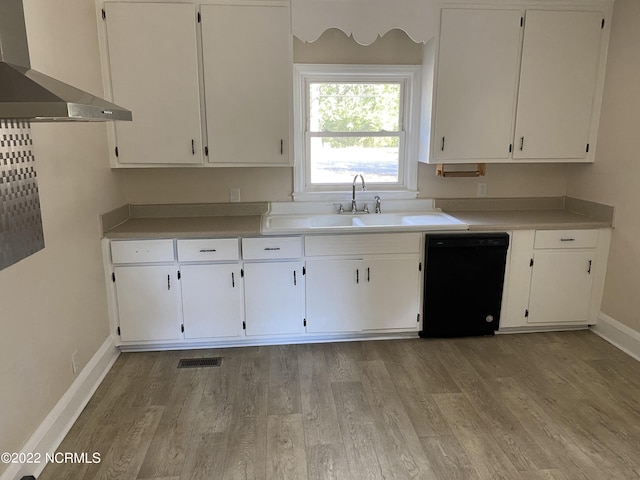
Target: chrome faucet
353, 192
378, 204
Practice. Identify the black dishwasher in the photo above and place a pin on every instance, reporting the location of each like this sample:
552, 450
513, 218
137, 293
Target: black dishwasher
464, 275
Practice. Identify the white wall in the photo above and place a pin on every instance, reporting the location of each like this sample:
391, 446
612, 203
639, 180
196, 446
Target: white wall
614, 178
54, 302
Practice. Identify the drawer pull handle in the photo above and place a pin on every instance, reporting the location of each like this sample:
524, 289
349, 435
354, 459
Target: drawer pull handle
589, 270
567, 239
168, 282
271, 249
207, 250
233, 280
295, 281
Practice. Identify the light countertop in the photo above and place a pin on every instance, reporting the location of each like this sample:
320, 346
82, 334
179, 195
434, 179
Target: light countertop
234, 220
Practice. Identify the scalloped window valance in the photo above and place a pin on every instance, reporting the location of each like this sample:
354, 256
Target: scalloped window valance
365, 20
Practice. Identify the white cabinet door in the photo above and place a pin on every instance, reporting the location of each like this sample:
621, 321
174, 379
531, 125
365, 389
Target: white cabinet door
152, 52
247, 56
148, 303
560, 56
476, 85
561, 283
211, 300
274, 298
334, 297
391, 293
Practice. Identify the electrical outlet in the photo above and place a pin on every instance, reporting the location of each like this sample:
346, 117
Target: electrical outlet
74, 362
234, 194
482, 189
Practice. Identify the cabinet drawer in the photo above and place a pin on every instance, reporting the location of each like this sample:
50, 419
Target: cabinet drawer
566, 239
141, 251
271, 247
202, 250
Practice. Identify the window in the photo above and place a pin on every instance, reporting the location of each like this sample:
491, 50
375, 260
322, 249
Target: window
355, 120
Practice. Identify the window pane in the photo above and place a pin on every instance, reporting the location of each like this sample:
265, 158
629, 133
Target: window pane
338, 159
354, 107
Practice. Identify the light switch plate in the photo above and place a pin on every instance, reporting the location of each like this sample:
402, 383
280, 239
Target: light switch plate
482, 189
234, 194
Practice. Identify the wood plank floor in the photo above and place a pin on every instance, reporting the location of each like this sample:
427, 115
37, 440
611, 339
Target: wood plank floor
549, 406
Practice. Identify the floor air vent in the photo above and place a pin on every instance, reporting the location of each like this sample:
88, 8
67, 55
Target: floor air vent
200, 362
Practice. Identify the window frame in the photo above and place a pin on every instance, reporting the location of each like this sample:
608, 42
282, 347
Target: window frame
409, 78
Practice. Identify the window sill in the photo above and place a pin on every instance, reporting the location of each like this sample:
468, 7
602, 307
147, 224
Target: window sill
343, 196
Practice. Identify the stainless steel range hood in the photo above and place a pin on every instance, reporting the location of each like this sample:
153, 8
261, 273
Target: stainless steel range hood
28, 95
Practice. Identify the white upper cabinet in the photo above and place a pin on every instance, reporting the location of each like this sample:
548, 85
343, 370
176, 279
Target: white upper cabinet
477, 81
153, 62
520, 84
560, 56
247, 61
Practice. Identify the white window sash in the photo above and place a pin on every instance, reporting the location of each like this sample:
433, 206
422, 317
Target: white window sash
409, 79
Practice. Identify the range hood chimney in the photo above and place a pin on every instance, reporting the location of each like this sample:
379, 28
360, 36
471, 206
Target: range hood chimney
28, 95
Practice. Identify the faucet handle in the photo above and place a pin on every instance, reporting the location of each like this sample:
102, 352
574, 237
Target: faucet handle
378, 204
340, 207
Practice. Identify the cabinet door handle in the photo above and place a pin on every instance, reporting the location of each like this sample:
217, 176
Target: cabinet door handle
295, 281
521, 143
442, 147
368, 274
589, 269
233, 280
168, 282
193, 147
281, 146
357, 275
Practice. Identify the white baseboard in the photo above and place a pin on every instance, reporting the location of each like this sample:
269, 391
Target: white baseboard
59, 421
618, 334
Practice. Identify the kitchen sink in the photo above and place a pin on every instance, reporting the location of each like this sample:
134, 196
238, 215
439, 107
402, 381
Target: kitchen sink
372, 221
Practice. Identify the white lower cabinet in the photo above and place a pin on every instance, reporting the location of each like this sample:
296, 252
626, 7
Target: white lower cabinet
334, 302
148, 302
561, 284
274, 298
212, 300
556, 277
376, 290
392, 293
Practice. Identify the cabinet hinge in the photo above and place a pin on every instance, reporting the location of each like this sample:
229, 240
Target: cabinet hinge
510, 147
206, 151
182, 328
104, 14
199, 18
242, 273
117, 153
526, 313
531, 262
304, 270
522, 21
304, 322
118, 331
602, 24
587, 148
244, 325
113, 277
179, 275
